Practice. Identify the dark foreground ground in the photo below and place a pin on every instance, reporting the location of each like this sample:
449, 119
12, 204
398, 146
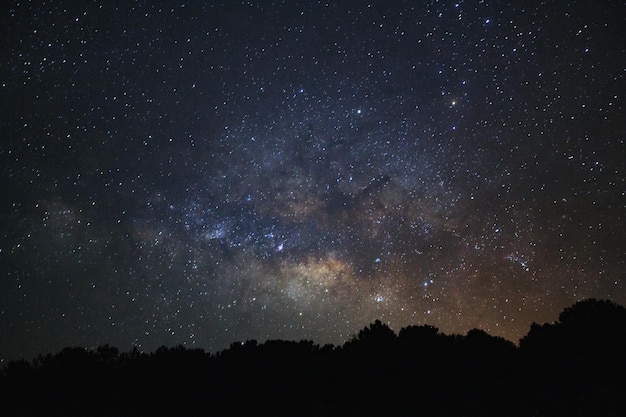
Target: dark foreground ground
574, 367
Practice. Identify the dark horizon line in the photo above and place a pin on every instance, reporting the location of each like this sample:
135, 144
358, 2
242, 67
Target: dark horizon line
354, 337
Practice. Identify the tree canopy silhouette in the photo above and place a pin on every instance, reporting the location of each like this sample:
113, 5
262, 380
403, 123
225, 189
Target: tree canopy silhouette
574, 366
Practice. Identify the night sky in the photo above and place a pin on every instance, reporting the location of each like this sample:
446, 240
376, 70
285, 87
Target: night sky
209, 172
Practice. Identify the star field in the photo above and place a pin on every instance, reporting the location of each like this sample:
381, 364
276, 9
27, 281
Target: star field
207, 172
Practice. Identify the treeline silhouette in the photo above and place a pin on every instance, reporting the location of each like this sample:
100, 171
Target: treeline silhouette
573, 367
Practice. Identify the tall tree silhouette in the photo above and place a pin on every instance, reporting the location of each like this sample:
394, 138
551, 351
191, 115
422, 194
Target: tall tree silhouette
582, 354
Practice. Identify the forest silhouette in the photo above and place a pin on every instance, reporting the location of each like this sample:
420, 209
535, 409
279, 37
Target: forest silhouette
575, 366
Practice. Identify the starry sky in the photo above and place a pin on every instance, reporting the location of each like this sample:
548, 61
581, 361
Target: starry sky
209, 172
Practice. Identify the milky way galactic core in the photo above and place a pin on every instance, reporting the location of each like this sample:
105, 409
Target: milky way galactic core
210, 172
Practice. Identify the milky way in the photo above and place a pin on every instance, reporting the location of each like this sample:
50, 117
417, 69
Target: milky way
212, 172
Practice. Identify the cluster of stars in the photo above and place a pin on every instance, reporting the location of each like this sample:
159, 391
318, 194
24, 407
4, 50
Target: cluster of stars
206, 173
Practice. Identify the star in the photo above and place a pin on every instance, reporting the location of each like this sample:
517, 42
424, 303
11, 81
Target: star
215, 173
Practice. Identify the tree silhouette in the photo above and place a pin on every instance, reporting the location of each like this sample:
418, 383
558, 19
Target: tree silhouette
574, 366
582, 353
375, 335
587, 326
